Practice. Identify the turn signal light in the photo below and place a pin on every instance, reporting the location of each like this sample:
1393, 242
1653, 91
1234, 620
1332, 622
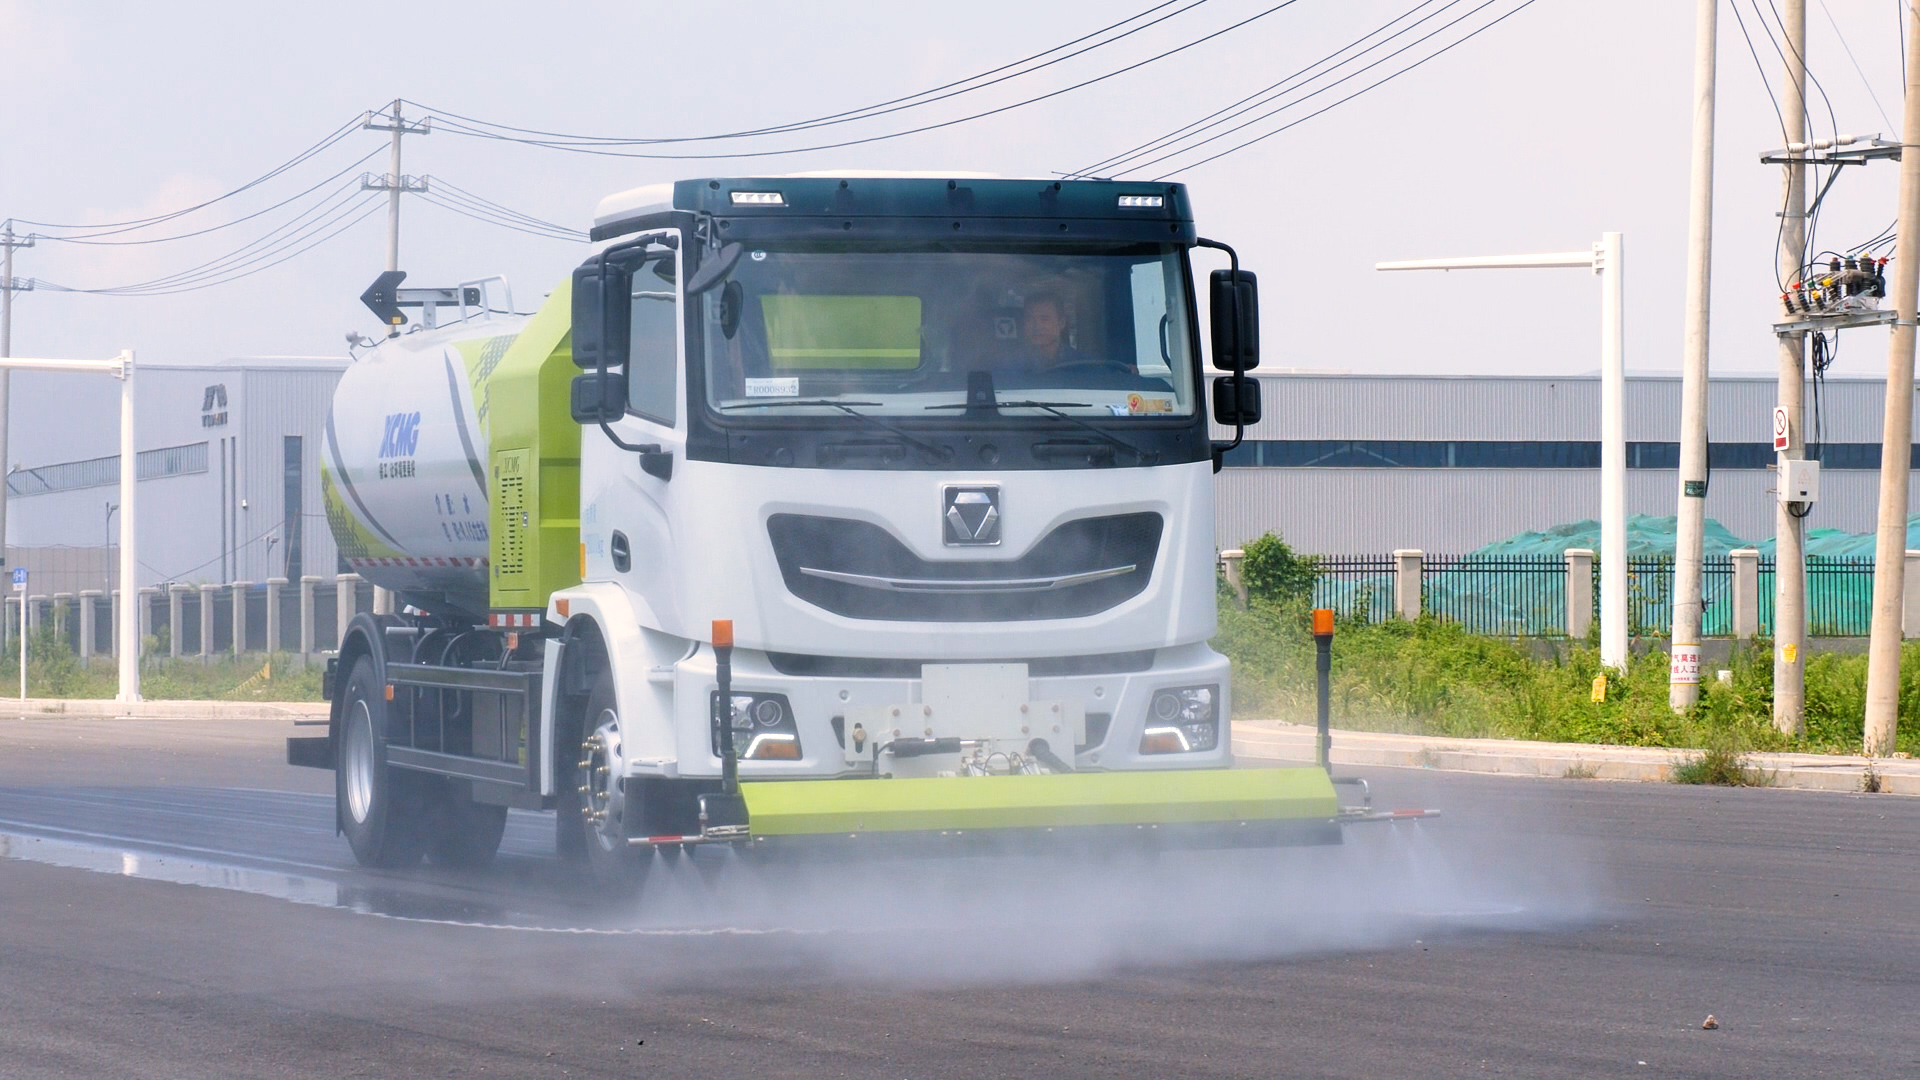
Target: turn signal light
1163, 740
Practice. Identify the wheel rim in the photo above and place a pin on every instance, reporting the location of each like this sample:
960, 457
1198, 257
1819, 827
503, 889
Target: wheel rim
600, 800
357, 761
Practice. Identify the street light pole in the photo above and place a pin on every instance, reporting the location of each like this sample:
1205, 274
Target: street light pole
1606, 259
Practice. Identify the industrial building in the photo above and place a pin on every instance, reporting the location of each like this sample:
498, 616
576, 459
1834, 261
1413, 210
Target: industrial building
1371, 463
230, 465
229, 468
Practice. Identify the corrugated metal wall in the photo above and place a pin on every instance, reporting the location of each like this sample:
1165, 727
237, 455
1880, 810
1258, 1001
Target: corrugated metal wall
1740, 409
1455, 510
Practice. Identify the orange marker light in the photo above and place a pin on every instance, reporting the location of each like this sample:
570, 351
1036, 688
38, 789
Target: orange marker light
1322, 622
564, 606
723, 633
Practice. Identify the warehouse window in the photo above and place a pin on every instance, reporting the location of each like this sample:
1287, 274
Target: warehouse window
105, 471
1520, 454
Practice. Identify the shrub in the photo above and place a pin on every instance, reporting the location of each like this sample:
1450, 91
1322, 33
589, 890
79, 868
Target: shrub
1275, 572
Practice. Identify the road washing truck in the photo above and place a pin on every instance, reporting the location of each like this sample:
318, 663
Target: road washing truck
862, 512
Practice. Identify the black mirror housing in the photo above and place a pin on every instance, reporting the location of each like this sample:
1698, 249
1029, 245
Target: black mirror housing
602, 315
1234, 303
599, 398
1236, 401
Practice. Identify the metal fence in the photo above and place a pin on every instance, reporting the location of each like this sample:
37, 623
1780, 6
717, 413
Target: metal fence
1526, 595
1356, 586
1507, 595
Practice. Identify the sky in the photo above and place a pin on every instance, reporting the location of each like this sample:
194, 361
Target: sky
1565, 120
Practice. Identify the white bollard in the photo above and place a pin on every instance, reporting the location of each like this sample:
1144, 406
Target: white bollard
241, 589
207, 594
345, 604
1746, 593
1408, 567
274, 585
307, 584
89, 601
176, 619
1579, 592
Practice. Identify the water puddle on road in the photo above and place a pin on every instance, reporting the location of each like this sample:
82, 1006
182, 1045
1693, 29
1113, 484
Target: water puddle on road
102, 855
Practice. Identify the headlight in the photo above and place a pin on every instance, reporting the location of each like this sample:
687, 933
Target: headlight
763, 727
1182, 720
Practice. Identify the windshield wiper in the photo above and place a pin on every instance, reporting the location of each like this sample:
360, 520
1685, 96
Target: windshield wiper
1052, 408
940, 453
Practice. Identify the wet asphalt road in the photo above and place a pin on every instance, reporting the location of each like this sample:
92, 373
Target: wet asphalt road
1543, 928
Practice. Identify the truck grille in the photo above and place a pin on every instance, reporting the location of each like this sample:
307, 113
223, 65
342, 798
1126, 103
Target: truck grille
859, 570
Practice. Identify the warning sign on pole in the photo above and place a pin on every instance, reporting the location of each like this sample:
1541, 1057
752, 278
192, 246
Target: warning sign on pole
1686, 665
1780, 429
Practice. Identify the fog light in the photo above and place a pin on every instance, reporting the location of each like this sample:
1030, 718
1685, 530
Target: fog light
1181, 720
763, 727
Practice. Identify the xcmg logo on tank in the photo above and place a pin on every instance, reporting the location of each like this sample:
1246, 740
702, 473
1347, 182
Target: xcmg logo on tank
397, 444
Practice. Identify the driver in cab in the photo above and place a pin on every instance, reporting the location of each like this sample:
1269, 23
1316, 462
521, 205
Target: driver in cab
1043, 328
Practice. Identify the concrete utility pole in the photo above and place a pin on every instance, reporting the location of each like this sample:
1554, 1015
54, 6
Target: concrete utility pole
1889, 551
1789, 526
1683, 674
8, 286
395, 183
1607, 259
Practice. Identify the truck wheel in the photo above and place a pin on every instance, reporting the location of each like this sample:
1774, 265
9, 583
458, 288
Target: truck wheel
381, 809
599, 806
465, 834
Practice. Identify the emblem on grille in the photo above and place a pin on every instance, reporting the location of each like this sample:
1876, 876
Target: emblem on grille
972, 515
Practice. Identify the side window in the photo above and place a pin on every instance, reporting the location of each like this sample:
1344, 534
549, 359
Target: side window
653, 358
1153, 352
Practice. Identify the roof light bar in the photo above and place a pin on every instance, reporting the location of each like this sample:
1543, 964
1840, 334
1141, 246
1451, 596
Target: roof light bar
758, 198
1147, 202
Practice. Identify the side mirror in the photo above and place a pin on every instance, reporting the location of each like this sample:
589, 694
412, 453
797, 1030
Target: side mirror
602, 313
1236, 401
599, 398
715, 269
1234, 300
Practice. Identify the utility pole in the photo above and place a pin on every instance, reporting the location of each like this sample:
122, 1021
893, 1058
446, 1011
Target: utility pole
1889, 555
1683, 674
1790, 535
8, 286
395, 183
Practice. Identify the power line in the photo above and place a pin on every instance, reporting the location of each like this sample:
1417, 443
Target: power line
1251, 100
459, 128
1316, 93
216, 228
1891, 126
938, 93
246, 262
1371, 86
110, 228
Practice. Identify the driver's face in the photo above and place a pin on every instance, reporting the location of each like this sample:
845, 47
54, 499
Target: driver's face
1044, 326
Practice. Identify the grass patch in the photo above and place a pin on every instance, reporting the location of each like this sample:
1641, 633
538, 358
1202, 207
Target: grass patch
1721, 764
1429, 677
53, 671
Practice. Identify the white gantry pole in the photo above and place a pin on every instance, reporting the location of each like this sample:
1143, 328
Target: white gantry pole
122, 368
1606, 260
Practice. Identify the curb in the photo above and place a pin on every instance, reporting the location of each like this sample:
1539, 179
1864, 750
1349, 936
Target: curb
103, 709
1275, 741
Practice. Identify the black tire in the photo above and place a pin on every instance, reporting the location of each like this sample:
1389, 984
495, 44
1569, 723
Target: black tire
614, 865
463, 834
381, 809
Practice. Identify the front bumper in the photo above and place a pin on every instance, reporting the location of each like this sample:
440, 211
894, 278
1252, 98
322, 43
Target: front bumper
1115, 705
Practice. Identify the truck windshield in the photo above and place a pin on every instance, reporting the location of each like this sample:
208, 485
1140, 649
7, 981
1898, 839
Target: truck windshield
1096, 332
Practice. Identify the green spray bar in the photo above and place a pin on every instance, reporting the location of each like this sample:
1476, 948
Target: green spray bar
796, 808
